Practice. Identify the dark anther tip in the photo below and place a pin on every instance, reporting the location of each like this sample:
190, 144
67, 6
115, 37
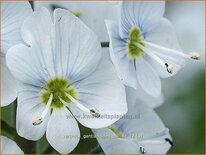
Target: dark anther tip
169, 141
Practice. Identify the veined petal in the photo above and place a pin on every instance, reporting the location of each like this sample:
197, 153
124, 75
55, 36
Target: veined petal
147, 77
118, 52
25, 66
28, 109
144, 131
111, 144
102, 91
164, 35
145, 125
76, 46
9, 85
8, 146
145, 15
13, 14
63, 137
38, 32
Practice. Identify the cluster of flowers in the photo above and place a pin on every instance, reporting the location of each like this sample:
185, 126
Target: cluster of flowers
54, 66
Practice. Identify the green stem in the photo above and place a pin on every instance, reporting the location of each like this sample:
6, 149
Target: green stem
48, 150
27, 146
96, 150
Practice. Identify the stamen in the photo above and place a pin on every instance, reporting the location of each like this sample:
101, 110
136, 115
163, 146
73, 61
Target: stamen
169, 141
194, 55
142, 150
92, 111
169, 67
39, 119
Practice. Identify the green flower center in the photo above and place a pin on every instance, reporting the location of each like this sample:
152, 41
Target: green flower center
59, 88
77, 13
135, 38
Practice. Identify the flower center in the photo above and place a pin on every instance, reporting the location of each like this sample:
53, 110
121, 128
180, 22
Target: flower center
135, 38
77, 13
59, 87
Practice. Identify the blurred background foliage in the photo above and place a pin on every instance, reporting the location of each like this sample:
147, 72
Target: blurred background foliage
184, 94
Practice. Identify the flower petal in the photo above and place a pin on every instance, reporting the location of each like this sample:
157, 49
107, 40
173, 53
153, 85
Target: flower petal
13, 14
9, 85
102, 91
38, 32
142, 96
76, 45
164, 35
118, 52
145, 125
29, 107
87, 12
8, 146
148, 78
145, 15
62, 131
25, 66
111, 144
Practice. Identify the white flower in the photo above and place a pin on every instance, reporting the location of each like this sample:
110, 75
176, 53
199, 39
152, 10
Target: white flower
144, 46
62, 74
13, 14
8, 146
91, 13
139, 131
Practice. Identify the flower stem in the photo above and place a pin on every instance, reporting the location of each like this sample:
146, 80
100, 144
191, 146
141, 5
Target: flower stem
27, 146
96, 150
104, 44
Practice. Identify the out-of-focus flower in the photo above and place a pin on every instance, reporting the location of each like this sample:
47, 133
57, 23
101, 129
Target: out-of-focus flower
139, 131
142, 96
144, 47
13, 14
91, 13
62, 76
8, 146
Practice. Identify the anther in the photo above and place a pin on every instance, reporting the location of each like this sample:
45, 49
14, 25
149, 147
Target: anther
142, 150
37, 121
169, 68
94, 113
169, 141
194, 55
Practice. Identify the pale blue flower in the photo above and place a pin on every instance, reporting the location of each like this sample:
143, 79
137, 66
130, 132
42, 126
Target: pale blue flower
8, 146
92, 13
140, 131
12, 16
62, 78
143, 46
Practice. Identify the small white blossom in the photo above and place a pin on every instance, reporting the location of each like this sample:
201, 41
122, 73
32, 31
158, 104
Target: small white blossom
144, 47
62, 78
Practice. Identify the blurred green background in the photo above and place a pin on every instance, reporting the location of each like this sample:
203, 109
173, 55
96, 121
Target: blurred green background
184, 94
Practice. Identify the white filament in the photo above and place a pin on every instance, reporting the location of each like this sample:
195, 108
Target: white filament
39, 119
169, 67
